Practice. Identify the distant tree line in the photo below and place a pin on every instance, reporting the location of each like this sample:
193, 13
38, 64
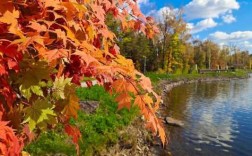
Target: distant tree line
175, 51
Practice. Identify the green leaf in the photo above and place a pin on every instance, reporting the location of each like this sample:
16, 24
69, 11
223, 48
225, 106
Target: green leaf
37, 90
25, 92
38, 113
42, 84
59, 87
33, 73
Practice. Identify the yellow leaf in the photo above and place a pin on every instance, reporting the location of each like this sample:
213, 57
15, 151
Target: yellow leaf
148, 99
126, 64
10, 18
25, 153
91, 32
71, 35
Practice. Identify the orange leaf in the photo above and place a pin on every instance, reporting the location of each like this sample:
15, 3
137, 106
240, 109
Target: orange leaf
99, 12
122, 85
152, 124
36, 26
10, 18
55, 54
139, 102
119, 85
72, 106
87, 58
9, 143
71, 35
124, 100
162, 134
61, 35
107, 34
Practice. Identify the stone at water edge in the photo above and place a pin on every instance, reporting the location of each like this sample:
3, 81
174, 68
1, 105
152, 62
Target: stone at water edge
174, 122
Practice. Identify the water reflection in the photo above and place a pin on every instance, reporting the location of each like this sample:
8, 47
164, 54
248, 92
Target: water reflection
217, 118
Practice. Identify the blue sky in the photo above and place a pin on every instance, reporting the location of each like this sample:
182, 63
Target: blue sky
227, 22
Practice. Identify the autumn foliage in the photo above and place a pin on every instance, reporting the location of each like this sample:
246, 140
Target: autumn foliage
47, 47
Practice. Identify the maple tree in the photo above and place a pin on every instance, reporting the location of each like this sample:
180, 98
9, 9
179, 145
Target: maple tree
47, 47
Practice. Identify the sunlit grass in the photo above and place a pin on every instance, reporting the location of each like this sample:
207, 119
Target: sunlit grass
156, 77
98, 130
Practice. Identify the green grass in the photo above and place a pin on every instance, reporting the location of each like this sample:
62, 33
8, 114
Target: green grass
99, 130
51, 142
156, 77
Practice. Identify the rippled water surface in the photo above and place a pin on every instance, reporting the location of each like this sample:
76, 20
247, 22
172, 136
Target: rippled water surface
217, 117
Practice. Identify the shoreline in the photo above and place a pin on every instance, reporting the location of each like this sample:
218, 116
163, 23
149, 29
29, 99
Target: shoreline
167, 85
141, 141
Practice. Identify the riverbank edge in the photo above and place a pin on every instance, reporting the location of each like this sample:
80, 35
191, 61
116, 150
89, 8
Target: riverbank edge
167, 85
141, 140
154, 147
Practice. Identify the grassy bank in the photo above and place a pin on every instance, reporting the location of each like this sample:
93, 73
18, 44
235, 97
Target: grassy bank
156, 77
99, 129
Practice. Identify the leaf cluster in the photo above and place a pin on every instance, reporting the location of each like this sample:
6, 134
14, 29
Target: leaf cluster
48, 46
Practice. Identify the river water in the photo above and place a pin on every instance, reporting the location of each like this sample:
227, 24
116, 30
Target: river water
217, 117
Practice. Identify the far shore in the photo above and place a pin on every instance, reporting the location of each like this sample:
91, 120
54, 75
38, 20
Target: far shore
164, 82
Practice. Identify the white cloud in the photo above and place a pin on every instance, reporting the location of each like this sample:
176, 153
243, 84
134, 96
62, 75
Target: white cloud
247, 44
206, 10
190, 26
194, 28
142, 2
234, 36
158, 14
209, 8
229, 18
201, 25
242, 39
